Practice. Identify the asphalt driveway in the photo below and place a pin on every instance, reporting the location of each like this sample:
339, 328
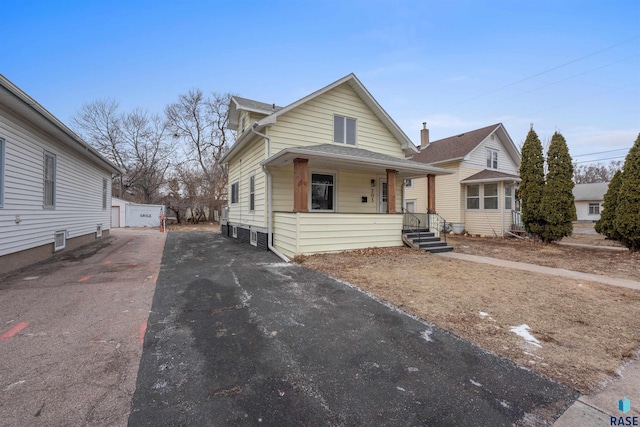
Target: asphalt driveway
236, 337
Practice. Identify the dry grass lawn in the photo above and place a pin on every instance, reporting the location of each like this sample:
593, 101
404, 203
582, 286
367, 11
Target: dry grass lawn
586, 330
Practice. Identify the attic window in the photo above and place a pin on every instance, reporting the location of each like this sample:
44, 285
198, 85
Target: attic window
344, 130
492, 158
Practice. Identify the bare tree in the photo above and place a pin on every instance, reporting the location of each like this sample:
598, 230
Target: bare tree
591, 173
136, 142
201, 123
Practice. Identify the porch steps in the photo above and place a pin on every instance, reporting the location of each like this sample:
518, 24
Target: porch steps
425, 240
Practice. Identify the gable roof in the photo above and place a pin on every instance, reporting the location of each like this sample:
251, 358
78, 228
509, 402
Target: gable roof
457, 147
358, 88
238, 104
594, 191
17, 101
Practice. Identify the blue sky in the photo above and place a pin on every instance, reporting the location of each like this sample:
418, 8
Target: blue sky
566, 65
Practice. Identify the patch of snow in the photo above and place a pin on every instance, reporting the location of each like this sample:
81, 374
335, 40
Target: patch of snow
412, 369
580, 284
475, 383
31, 278
523, 331
530, 420
504, 404
483, 314
10, 386
426, 335
279, 264
400, 388
159, 385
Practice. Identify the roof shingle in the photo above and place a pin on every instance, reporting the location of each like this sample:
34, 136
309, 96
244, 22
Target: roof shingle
454, 147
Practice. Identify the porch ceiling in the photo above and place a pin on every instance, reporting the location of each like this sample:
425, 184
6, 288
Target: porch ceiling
332, 156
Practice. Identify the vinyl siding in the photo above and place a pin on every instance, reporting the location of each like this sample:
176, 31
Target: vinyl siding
312, 124
582, 209
488, 223
448, 193
419, 193
78, 190
240, 169
331, 232
478, 157
351, 186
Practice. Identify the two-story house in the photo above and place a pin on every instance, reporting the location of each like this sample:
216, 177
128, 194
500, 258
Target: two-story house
480, 195
322, 174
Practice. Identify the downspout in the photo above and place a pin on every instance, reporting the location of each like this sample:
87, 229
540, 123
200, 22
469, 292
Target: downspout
269, 196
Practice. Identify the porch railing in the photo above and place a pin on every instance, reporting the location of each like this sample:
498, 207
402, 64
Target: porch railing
437, 224
410, 222
516, 221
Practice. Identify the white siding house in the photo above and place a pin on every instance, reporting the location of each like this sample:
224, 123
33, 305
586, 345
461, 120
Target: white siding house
55, 190
589, 199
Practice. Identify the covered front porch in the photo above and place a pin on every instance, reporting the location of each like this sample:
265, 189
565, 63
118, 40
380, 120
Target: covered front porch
330, 198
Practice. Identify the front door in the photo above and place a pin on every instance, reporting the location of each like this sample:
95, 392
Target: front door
382, 206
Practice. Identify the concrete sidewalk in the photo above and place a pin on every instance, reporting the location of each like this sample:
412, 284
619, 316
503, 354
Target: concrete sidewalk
596, 409
625, 283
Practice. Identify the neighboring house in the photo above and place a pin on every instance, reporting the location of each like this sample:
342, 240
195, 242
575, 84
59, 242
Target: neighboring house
322, 174
55, 190
480, 195
588, 199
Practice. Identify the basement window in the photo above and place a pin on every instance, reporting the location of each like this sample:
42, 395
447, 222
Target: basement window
59, 240
234, 232
253, 238
98, 231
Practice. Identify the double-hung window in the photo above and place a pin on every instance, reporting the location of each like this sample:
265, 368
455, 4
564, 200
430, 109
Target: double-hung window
492, 158
473, 196
234, 192
323, 191
49, 180
2, 144
344, 130
508, 197
252, 192
491, 196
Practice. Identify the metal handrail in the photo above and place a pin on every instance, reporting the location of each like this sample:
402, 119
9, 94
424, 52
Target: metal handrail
441, 220
412, 218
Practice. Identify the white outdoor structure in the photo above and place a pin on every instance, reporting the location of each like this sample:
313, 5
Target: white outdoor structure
55, 189
118, 212
588, 199
127, 214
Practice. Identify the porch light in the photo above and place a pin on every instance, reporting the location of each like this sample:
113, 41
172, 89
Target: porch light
373, 182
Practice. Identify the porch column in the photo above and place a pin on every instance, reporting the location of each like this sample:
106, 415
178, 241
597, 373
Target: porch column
431, 193
301, 185
391, 191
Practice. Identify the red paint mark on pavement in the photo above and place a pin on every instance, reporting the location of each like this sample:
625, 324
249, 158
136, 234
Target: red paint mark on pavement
11, 332
84, 278
143, 329
107, 262
155, 279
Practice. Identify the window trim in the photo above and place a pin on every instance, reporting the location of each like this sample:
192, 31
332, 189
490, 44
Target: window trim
408, 183
105, 190
345, 131
490, 158
252, 192
335, 189
44, 181
235, 195
467, 197
593, 205
508, 196
485, 197
2, 169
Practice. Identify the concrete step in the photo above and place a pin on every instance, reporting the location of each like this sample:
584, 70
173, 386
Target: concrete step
439, 249
426, 245
421, 239
413, 230
412, 235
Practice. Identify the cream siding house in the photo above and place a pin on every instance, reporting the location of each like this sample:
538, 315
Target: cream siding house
55, 190
479, 195
589, 199
322, 174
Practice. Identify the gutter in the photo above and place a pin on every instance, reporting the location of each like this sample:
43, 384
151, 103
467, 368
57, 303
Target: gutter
269, 196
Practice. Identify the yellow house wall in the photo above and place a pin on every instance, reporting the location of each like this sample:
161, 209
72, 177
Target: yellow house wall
312, 124
418, 192
478, 157
240, 169
448, 193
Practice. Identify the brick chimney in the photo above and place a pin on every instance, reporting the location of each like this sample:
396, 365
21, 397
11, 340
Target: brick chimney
424, 136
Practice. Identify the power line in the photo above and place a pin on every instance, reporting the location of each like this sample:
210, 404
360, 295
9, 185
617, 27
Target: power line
599, 160
544, 72
601, 152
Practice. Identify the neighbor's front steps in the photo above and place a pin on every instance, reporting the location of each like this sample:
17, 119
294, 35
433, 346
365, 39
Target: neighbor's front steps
425, 240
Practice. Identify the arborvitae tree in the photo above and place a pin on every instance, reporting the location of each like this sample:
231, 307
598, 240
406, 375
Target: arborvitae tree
627, 220
532, 185
558, 204
605, 224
